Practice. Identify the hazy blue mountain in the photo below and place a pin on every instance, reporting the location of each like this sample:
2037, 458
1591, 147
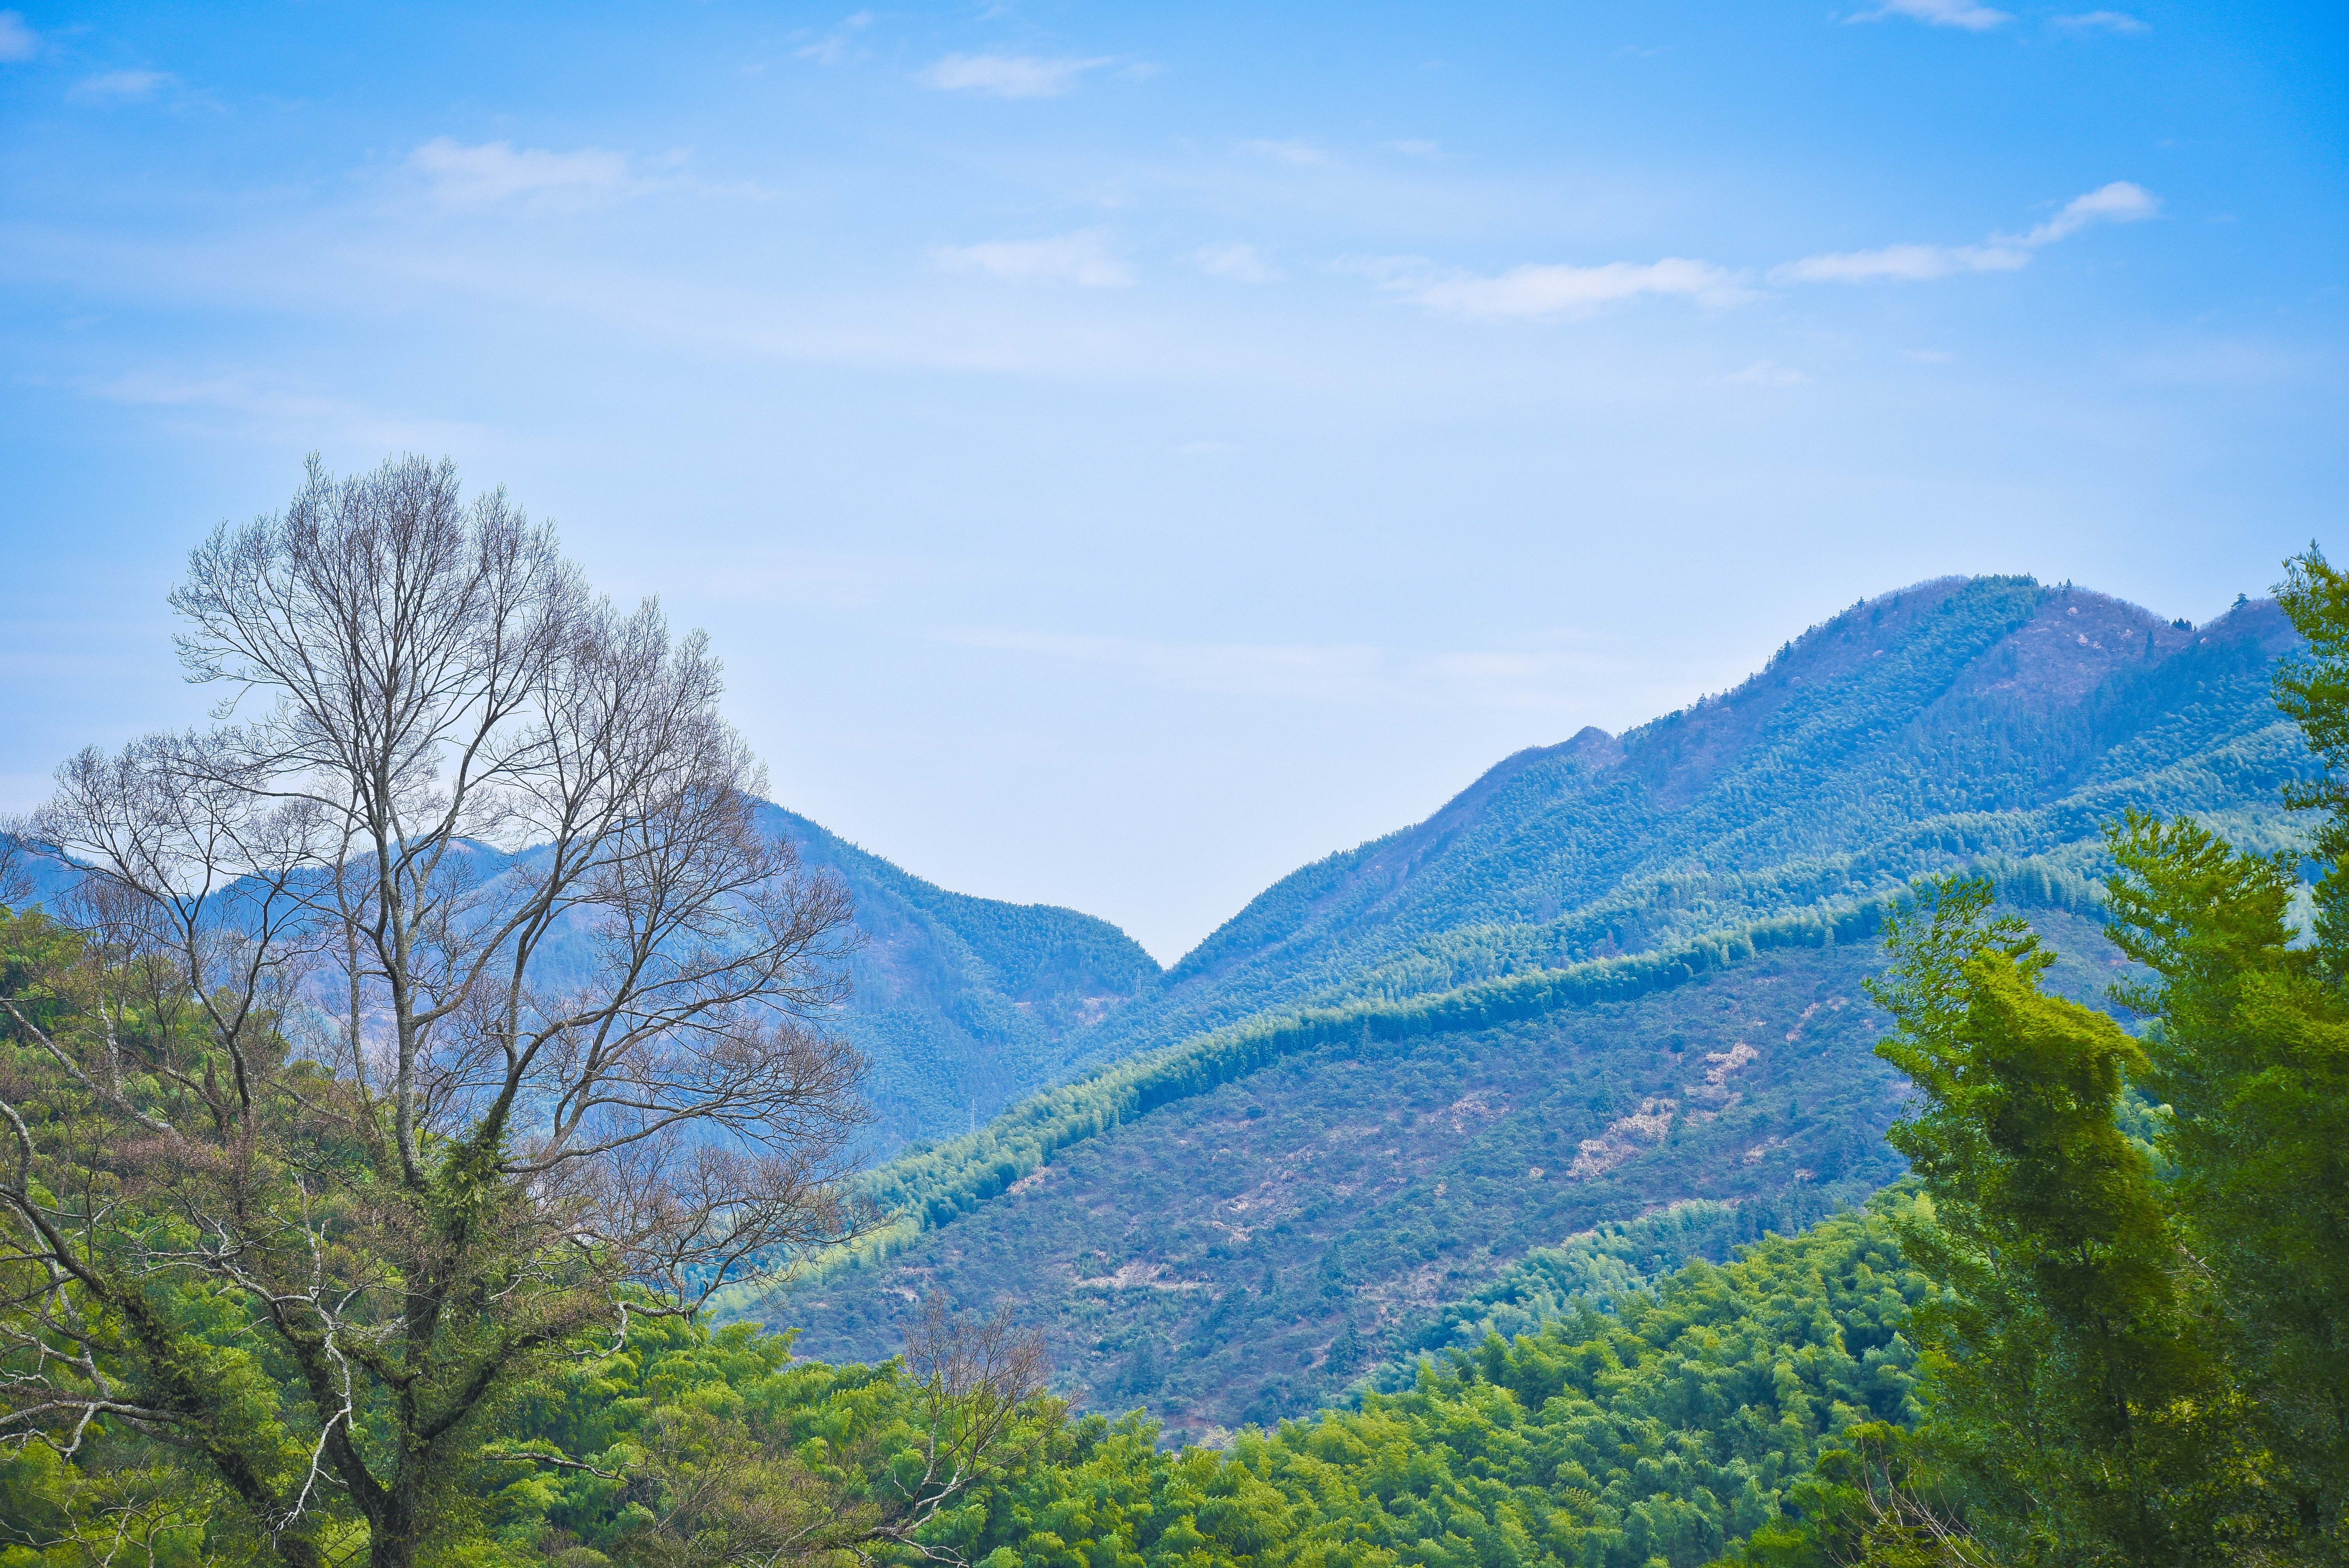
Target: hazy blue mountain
961, 1004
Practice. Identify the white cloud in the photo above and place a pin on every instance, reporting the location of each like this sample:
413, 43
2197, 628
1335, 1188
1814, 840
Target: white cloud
1901, 263
495, 171
118, 86
1536, 291
2118, 202
2112, 21
1969, 15
17, 41
270, 408
1008, 76
1299, 154
1084, 259
837, 45
1239, 264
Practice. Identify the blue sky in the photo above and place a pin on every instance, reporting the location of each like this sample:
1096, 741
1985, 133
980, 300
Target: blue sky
1124, 453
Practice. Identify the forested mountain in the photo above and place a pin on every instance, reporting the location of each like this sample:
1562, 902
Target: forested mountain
1577, 1241
962, 1004
1611, 975
1919, 731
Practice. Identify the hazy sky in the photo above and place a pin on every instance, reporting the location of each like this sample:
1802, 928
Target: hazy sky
1125, 453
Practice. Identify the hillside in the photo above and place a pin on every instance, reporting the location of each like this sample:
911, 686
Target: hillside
1244, 1251
960, 1004
1662, 1422
1615, 974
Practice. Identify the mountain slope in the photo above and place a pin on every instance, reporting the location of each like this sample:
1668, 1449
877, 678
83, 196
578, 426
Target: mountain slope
960, 1004
1241, 1253
1956, 719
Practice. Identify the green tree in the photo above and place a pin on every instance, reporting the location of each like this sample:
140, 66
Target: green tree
2070, 1389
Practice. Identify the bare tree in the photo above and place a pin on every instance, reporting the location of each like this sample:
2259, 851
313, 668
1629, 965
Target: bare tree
444, 1005
971, 1378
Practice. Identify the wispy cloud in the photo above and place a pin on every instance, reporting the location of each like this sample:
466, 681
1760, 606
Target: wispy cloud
17, 41
1008, 76
271, 408
837, 45
1901, 263
2109, 21
2118, 202
1768, 373
1237, 264
1969, 15
1540, 292
1084, 259
459, 176
1540, 680
119, 86
1296, 154
1413, 146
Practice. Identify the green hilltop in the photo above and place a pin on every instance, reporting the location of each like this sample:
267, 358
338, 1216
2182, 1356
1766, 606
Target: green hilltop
1920, 730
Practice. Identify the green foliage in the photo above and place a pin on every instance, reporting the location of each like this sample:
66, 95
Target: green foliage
2312, 686
2070, 1392
2251, 1058
1667, 1429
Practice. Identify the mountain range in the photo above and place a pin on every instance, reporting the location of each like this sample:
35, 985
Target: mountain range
1615, 974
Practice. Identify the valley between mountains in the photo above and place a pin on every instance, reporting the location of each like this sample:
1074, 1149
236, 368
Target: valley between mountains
1615, 977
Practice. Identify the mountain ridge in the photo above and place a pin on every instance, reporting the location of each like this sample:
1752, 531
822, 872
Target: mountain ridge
2018, 692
